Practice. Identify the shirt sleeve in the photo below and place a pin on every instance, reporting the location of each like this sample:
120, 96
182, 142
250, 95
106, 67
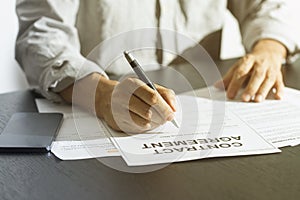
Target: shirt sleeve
48, 47
273, 19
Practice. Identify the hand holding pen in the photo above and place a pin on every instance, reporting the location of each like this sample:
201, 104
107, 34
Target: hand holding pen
129, 106
143, 77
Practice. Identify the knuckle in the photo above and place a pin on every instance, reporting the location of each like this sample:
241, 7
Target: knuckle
247, 58
144, 125
261, 62
153, 98
146, 122
240, 72
167, 92
170, 92
128, 81
270, 76
148, 115
259, 72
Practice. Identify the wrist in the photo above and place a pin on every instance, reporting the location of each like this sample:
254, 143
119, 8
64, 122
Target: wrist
270, 46
103, 95
94, 89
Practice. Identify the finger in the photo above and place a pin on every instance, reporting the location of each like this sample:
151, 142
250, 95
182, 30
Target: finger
257, 78
168, 95
130, 129
279, 86
234, 86
138, 88
223, 84
140, 108
144, 110
138, 121
265, 88
239, 69
220, 84
139, 124
125, 121
122, 102
154, 99
240, 74
156, 116
133, 86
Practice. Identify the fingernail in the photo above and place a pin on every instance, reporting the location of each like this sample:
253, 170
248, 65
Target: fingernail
259, 98
149, 114
173, 105
171, 117
148, 126
230, 95
219, 84
246, 97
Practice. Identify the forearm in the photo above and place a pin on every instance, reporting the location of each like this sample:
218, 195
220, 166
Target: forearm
48, 47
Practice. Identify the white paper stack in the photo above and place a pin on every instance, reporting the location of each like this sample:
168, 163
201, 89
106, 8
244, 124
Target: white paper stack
208, 128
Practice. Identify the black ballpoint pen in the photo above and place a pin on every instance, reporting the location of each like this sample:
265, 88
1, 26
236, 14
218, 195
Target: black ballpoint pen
141, 74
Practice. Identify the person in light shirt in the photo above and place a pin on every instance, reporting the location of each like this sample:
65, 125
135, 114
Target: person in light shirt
55, 37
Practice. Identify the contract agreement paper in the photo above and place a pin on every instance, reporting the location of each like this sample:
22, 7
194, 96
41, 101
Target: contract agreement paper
207, 129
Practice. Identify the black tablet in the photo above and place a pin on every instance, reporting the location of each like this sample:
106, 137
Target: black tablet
30, 132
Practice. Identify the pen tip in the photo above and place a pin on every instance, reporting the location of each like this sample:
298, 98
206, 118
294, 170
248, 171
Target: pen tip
175, 123
125, 52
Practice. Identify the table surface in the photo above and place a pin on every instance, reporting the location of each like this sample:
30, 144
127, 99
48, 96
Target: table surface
43, 176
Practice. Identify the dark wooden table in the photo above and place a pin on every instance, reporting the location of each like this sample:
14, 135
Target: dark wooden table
42, 176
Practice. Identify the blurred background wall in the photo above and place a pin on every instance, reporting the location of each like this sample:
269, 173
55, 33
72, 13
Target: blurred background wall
12, 77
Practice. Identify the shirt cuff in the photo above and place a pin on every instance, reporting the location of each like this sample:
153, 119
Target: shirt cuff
63, 73
260, 29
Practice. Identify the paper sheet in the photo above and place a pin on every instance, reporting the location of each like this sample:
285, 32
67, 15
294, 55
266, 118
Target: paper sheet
81, 135
198, 137
74, 150
277, 121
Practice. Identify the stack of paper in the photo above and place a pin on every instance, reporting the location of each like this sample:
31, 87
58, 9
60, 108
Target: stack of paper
277, 121
208, 128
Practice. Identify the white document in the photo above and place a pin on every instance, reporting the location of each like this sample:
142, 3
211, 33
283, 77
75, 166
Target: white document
247, 128
277, 121
81, 135
207, 130
74, 150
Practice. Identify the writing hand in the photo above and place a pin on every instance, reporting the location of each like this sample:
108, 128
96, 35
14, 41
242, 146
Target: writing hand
132, 106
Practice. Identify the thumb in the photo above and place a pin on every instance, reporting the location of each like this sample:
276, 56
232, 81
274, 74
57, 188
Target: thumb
168, 95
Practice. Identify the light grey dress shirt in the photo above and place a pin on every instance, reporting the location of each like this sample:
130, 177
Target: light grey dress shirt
56, 36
